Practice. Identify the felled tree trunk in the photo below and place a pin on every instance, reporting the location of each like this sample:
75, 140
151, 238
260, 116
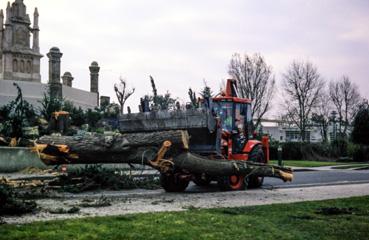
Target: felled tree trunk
151, 149
216, 167
120, 148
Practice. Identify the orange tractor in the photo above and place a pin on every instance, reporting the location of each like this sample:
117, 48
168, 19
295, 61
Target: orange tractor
220, 130
238, 141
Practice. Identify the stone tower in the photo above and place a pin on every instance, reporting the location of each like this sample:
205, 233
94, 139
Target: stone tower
18, 60
56, 88
94, 79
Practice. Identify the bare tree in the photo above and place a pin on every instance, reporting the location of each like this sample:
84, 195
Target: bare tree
122, 93
255, 81
302, 86
346, 99
321, 114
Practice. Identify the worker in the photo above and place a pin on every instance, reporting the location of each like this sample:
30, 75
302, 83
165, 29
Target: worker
240, 138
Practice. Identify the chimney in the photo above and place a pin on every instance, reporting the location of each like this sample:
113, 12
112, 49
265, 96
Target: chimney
67, 79
54, 73
94, 79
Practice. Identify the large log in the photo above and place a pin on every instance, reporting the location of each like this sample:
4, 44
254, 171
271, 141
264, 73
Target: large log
99, 148
216, 167
165, 151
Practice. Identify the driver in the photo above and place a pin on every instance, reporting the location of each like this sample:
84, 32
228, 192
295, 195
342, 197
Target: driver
241, 138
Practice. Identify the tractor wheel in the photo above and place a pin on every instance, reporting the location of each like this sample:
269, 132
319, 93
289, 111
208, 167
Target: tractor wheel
202, 180
171, 183
232, 183
256, 155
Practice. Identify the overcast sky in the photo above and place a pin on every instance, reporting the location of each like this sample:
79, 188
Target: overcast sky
180, 43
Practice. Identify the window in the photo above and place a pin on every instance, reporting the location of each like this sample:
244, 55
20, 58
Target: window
29, 67
224, 111
240, 116
21, 68
295, 136
15, 65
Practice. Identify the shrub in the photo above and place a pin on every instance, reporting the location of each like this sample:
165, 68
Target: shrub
360, 133
309, 151
77, 115
291, 151
93, 117
339, 148
10, 205
16, 115
49, 105
361, 154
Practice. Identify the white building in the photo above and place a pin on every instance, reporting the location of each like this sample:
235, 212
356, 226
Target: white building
287, 132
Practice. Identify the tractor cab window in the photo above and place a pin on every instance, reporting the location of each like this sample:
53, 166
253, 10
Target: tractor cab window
225, 111
241, 125
240, 116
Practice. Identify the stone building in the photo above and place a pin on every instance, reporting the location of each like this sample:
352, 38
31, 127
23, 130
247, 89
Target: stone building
20, 62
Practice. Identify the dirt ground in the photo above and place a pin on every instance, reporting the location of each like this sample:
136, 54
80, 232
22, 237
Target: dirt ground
139, 201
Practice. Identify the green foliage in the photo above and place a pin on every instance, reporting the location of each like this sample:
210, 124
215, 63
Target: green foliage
166, 102
97, 177
10, 205
49, 105
17, 115
206, 92
361, 153
77, 115
110, 111
339, 147
360, 133
310, 151
158, 101
302, 220
93, 117
5, 112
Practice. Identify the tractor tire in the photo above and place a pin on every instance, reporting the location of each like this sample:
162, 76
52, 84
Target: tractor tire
171, 183
256, 155
231, 183
202, 180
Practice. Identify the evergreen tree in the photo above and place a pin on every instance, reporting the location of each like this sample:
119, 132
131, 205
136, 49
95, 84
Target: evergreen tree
360, 133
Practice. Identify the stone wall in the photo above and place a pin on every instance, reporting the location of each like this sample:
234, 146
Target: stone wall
33, 93
81, 98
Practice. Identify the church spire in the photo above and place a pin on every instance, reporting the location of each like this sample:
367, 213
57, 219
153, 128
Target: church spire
1, 29
36, 30
1, 20
8, 14
35, 19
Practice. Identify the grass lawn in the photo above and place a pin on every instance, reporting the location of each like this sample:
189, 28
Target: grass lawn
278, 221
304, 163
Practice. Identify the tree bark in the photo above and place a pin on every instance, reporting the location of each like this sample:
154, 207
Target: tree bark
120, 148
146, 148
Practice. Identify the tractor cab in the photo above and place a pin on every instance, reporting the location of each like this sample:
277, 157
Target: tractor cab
235, 118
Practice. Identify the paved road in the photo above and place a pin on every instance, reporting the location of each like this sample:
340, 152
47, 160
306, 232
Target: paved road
316, 178
305, 179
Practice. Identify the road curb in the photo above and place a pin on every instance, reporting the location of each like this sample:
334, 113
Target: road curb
304, 169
